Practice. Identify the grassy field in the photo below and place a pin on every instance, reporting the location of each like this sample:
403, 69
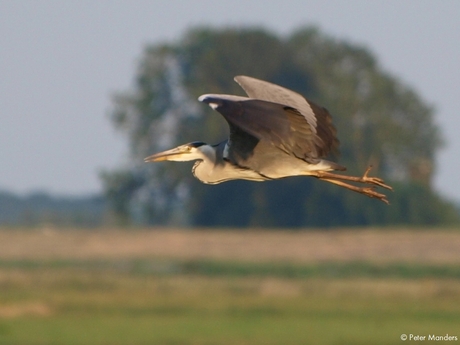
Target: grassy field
220, 287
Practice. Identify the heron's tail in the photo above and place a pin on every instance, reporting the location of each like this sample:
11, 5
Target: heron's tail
325, 165
339, 167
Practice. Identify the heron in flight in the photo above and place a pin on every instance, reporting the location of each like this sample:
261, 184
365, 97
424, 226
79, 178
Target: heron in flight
274, 133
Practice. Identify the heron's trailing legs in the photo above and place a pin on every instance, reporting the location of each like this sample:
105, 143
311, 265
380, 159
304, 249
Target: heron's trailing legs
369, 191
364, 179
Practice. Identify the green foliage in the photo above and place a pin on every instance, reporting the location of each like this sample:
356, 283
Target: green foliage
379, 121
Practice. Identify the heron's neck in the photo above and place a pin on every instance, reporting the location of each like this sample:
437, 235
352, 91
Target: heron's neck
205, 171
208, 169
213, 168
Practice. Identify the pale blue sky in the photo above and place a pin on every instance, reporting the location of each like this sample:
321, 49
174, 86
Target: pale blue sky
61, 60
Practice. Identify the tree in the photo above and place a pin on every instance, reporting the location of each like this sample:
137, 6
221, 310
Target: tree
379, 121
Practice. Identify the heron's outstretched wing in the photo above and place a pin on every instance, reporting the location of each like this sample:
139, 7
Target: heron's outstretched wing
316, 116
254, 120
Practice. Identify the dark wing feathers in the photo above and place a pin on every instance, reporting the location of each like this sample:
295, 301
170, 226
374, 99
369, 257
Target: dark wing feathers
260, 89
325, 130
241, 144
317, 117
277, 116
282, 126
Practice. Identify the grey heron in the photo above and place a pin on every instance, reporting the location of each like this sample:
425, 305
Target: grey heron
274, 133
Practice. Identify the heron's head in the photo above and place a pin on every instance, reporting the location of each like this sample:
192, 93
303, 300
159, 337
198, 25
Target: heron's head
188, 152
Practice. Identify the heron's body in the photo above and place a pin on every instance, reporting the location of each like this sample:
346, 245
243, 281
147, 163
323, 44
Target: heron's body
219, 168
274, 133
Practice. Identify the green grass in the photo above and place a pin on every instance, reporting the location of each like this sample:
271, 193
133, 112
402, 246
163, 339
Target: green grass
218, 268
210, 302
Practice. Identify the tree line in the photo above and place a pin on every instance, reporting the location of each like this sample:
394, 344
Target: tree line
40, 208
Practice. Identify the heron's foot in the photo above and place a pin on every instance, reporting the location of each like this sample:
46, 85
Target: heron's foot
370, 192
374, 180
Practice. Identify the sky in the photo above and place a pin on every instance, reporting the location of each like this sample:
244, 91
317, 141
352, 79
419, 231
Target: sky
61, 62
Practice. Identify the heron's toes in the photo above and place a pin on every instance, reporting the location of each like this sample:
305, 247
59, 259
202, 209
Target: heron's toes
370, 192
376, 181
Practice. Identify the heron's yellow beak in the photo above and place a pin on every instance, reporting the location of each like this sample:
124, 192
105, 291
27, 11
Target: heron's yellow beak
176, 154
